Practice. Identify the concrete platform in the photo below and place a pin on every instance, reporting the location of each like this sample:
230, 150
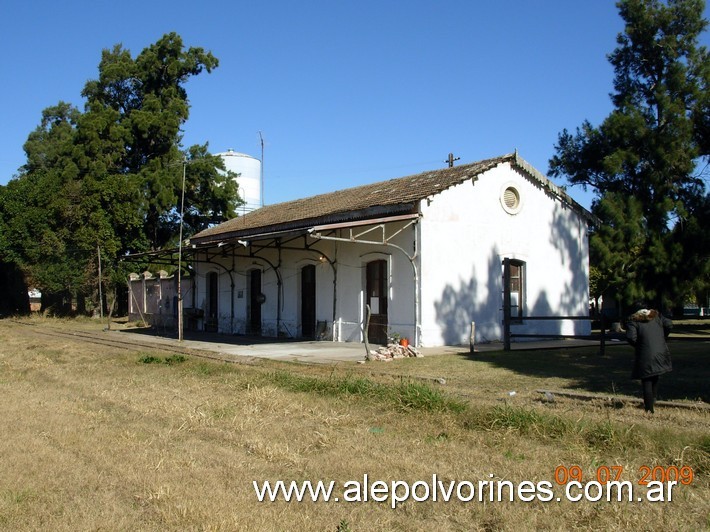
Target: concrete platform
323, 352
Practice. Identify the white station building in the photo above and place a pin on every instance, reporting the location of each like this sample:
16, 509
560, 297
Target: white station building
428, 254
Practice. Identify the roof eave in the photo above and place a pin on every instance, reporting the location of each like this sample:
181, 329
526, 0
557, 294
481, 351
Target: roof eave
553, 189
302, 226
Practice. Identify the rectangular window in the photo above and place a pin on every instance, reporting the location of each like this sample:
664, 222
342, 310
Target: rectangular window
516, 288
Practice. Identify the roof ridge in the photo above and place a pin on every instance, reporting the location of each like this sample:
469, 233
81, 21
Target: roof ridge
458, 168
396, 195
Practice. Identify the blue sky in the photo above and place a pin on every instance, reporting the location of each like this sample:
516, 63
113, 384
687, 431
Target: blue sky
343, 92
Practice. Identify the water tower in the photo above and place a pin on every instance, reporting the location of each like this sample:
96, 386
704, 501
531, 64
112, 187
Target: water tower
249, 179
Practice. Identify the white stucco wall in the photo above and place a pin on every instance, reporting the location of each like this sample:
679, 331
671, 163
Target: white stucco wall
350, 260
351, 298
288, 321
465, 235
461, 239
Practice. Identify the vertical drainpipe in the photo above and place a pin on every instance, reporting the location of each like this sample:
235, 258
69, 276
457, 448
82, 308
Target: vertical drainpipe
417, 295
144, 304
279, 288
335, 287
412, 260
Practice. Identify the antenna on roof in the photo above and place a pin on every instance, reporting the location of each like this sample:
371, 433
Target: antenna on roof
451, 160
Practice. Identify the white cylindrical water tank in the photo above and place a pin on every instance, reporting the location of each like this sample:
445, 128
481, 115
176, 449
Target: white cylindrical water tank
249, 179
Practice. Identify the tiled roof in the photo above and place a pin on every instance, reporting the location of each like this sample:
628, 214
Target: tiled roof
396, 196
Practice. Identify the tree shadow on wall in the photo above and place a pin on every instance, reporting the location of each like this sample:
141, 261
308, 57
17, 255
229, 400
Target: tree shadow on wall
582, 368
470, 302
460, 306
565, 236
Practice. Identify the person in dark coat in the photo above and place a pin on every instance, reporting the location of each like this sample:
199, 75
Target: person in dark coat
647, 330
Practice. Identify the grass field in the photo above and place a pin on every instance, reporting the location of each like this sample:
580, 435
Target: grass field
99, 438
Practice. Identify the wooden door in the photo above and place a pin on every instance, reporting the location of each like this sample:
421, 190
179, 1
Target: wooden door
211, 319
308, 301
255, 301
376, 297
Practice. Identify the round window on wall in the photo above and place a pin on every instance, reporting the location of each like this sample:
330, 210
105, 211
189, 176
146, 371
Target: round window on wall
510, 199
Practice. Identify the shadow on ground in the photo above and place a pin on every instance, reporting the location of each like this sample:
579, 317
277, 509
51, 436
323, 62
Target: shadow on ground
610, 374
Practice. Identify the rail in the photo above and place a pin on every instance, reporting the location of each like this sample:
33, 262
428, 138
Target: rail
508, 335
508, 320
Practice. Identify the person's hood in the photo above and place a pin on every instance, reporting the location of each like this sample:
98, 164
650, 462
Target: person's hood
644, 315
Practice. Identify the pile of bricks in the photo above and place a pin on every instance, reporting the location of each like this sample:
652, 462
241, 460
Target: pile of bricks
392, 352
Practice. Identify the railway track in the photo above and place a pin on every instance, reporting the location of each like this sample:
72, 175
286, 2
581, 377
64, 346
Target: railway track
137, 342
127, 342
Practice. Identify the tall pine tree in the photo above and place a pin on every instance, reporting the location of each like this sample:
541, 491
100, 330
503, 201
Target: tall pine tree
645, 161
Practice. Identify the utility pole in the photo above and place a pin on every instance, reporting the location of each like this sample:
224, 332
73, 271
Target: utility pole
179, 270
451, 160
101, 298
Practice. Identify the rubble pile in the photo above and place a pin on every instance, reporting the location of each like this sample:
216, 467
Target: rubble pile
392, 352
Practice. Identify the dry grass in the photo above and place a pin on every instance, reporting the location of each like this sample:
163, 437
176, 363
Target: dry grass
98, 439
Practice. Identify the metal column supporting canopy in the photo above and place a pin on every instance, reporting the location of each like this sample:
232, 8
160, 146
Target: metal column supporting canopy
374, 229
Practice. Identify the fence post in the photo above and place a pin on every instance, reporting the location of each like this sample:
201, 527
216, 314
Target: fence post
472, 339
506, 304
366, 331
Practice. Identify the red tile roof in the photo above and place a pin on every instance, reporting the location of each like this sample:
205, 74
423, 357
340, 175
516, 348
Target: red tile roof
396, 196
